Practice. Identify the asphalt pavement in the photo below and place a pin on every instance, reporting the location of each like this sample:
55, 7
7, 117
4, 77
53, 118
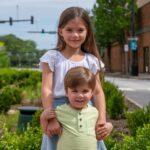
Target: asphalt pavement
134, 97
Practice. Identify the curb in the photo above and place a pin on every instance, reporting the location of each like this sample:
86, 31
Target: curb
140, 77
135, 103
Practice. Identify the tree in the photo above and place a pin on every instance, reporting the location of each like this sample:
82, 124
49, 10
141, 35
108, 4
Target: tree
21, 52
111, 18
4, 59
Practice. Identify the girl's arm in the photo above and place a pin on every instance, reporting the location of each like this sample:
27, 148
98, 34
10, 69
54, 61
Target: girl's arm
47, 82
103, 128
99, 100
49, 127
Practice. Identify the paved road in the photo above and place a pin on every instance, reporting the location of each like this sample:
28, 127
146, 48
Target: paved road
136, 90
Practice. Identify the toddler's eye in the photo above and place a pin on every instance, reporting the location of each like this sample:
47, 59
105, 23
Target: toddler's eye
69, 30
74, 91
85, 91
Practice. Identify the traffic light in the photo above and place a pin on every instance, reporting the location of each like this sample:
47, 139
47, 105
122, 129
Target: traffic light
32, 20
10, 21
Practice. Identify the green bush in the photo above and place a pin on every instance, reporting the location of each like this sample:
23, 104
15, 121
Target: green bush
7, 77
29, 140
13, 82
115, 104
19, 77
140, 142
36, 119
33, 78
138, 118
9, 96
110, 142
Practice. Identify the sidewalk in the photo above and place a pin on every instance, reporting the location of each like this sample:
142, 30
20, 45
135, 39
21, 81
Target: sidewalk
118, 74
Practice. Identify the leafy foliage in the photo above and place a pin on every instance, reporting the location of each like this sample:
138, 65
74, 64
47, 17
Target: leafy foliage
138, 118
140, 142
15, 85
20, 52
4, 59
29, 140
115, 104
111, 20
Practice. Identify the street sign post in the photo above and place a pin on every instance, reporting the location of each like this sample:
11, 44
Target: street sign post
133, 57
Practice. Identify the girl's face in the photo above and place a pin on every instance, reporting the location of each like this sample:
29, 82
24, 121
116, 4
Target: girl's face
74, 33
79, 96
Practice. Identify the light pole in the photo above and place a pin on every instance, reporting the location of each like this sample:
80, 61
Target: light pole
133, 44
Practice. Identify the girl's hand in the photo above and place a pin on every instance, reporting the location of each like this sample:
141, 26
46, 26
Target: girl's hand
46, 115
53, 128
103, 130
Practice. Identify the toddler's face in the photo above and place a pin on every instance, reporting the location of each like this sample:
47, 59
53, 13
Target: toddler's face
79, 96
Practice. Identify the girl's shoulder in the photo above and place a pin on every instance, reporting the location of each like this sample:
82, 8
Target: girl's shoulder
91, 56
50, 57
51, 52
94, 61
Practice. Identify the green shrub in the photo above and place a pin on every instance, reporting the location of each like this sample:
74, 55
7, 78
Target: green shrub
138, 118
9, 96
110, 142
115, 104
140, 142
19, 77
36, 119
7, 77
33, 78
29, 140
13, 82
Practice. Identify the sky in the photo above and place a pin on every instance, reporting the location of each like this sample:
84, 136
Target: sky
46, 16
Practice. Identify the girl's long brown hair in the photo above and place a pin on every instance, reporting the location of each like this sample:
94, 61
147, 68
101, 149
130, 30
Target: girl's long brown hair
70, 13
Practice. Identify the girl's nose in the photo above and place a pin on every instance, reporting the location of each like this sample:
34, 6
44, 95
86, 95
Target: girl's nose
75, 34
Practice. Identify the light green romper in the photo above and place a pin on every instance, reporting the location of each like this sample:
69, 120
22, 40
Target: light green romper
78, 128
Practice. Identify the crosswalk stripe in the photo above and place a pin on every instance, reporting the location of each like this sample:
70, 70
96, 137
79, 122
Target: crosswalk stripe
126, 89
131, 89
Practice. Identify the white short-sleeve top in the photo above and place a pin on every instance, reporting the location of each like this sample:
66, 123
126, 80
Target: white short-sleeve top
59, 65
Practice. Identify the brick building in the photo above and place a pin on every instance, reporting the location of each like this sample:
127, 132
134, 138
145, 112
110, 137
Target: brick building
119, 60
144, 36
